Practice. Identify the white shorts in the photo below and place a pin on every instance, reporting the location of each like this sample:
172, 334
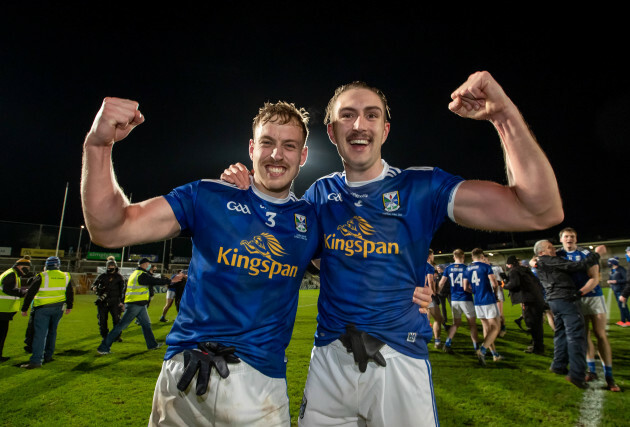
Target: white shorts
499, 293
170, 294
490, 311
592, 306
338, 394
245, 398
467, 308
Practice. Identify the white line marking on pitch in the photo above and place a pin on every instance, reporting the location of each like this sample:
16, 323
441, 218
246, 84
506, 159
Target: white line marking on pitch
592, 405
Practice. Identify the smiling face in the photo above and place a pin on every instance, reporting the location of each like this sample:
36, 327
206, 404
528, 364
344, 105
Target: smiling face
548, 248
358, 128
277, 152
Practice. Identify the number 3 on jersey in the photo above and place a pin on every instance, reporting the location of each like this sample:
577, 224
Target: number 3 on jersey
270, 219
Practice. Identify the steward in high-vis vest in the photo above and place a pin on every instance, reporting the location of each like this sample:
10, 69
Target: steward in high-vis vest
49, 291
10, 293
137, 295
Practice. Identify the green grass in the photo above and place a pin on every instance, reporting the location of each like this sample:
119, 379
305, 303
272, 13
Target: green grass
82, 388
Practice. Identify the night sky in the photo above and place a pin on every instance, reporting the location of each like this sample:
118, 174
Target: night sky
201, 77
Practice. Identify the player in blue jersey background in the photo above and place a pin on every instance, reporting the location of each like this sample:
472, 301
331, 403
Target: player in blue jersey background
479, 279
377, 222
593, 308
250, 252
461, 301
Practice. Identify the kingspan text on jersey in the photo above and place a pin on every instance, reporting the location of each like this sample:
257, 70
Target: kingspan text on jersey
364, 247
255, 265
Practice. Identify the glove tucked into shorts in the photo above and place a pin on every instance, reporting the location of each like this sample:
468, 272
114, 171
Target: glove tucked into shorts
202, 359
362, 346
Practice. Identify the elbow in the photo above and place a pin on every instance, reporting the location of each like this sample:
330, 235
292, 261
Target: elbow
548, 219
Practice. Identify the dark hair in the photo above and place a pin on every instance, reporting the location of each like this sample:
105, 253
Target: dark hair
477, 253
355, 85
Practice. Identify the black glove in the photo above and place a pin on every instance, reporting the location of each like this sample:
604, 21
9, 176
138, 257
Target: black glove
363, 347
203, 358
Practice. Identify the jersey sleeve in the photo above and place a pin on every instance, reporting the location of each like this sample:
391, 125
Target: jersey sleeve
182, 200
444, 186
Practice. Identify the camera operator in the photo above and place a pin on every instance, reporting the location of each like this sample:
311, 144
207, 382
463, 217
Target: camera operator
110, 291
525, 290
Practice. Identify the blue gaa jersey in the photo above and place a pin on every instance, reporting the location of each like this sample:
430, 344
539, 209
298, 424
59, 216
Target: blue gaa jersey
477, 274
376, 238
455, 273
250, 252
580, 277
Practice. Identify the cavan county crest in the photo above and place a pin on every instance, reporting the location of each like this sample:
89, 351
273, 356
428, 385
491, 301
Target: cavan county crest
300, 223
391, 201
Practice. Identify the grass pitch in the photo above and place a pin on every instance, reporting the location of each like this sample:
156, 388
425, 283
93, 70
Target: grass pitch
82, 388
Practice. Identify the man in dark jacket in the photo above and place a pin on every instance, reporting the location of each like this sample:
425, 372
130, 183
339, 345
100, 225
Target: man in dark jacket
563, 297
110, 291
525, 290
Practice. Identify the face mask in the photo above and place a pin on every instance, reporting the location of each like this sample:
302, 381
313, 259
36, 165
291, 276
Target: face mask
110, 270
25, 270
149, 267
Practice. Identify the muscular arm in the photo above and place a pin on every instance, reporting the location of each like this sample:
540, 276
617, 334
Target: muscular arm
531, 200
111, 219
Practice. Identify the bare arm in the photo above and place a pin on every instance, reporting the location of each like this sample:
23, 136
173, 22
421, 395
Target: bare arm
493, 282
110, 218
593, 280
531, 200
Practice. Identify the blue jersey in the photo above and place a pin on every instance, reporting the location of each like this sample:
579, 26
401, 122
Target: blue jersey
250, 252
376, 238
478, 274
580, 277
455, 273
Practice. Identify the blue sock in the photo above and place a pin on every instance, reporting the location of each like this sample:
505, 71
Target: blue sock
591, 365
608, 371
448, 342
483, 350
475, 345
494, 353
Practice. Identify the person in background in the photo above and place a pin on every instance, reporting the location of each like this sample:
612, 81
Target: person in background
110, 290
49, 292
10, 293
525, 290
136, 302
617, 280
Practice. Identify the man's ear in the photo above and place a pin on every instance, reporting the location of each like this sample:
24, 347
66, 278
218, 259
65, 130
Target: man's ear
303, 156
331, 134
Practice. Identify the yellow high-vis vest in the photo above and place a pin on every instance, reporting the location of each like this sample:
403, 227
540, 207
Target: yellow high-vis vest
9, 303
53, 288
135, 292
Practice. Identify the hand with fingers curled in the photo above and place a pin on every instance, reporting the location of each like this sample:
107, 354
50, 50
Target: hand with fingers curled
422, 297
480, 98
237, 174
203, 358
